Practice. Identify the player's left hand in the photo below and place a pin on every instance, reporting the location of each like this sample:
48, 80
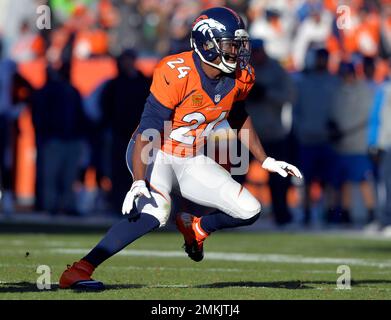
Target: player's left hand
138, 189
281, 167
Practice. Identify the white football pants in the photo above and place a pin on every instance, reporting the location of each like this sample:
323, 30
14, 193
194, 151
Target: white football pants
198, 179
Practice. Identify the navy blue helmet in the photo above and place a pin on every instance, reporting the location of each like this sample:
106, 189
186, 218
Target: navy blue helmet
221, 32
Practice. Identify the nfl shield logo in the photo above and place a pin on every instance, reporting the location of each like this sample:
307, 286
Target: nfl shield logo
217, 98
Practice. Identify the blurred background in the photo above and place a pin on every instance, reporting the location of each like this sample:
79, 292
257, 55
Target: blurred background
71, 94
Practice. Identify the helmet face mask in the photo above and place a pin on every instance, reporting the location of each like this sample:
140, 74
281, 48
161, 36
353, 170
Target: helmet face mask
220, 39
234, 51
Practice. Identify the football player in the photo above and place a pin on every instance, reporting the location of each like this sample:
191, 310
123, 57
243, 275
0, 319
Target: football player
193, 92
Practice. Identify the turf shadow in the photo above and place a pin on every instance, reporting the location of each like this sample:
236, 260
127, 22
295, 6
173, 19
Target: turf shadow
110, 287
23, 287
371, 249
124, 286
250, 284
291, 285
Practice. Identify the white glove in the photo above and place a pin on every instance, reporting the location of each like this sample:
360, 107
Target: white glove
138, 189
281, 167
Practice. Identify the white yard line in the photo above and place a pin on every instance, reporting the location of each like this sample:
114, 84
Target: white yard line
243, 257
41, 243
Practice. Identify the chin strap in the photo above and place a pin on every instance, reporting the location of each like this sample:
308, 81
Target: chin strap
226, 65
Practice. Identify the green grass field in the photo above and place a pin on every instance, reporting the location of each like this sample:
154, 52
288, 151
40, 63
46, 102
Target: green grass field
236, 266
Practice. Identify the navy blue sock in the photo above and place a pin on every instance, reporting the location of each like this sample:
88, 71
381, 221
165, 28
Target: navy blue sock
219, 220
120, 235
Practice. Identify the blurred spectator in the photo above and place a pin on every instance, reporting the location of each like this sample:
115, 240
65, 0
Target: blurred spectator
128, 33
385, 33
363, 34
239, 6
272, 90
90, 38
350, 117
316, 89
380, 146
2, 55
3, 14
313, 31
369, 67
7, 117
275, 27
95, 156
14, 14
14, 94
154, 23
60, 126
87, 38
122, 103
64, 9
180, 26
108, 14
29, 45
145, 25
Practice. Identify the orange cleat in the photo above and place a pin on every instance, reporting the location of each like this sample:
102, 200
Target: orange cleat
78, 276
193, 234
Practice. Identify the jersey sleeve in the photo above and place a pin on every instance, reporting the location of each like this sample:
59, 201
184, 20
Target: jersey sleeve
166, 87
246, 79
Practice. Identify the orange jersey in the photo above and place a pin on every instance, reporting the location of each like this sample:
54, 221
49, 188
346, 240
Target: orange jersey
180, 84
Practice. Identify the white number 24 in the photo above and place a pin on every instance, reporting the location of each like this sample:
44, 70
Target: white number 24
180, 134
182, 70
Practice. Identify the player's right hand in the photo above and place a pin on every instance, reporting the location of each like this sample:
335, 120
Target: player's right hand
138, 189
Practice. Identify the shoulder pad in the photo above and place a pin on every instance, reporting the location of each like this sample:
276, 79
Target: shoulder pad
170, 79
175, 67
